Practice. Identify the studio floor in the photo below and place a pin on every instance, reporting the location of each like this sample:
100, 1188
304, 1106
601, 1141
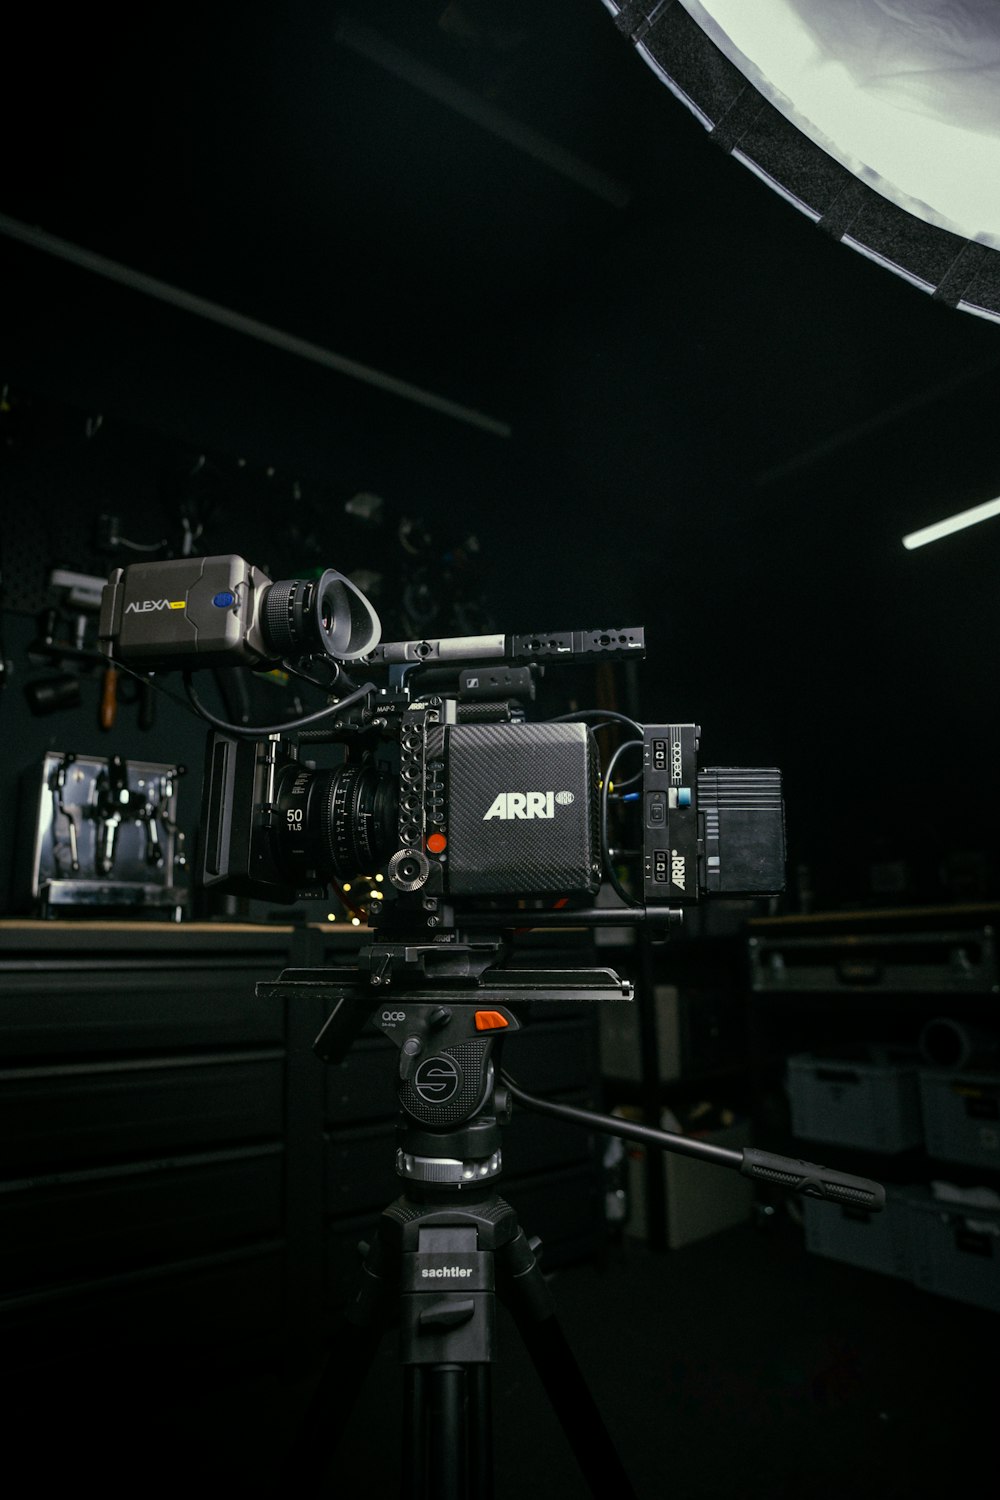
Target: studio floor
736, 1367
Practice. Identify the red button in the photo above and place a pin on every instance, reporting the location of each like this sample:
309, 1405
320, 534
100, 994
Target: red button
436, 843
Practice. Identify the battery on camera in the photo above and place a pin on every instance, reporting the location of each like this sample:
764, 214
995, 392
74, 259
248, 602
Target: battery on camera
712, 832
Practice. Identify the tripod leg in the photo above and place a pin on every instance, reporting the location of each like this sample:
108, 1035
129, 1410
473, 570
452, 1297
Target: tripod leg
354, 1346
458, 1438
414, 1438
480, 1432
527, 1294
448, 1434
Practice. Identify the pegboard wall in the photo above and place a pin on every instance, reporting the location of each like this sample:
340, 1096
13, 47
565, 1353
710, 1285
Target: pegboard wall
57, 472
62, 470
65, 471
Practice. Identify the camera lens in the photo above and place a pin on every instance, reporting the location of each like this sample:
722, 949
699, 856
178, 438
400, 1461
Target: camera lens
308, 616
339, 823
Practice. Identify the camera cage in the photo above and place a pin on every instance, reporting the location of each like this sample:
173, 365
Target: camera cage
441, 699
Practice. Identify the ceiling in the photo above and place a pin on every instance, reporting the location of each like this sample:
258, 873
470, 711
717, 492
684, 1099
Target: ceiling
435, 188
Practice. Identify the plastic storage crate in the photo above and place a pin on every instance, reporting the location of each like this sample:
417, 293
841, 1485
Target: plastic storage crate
876, 1242
701, 1198
874, 1105
954, 1249
621, 1047
961, 1114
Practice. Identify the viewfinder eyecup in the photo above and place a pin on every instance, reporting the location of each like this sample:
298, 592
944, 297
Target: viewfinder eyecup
328, 614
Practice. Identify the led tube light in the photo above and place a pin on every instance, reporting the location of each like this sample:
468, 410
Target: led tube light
952, 523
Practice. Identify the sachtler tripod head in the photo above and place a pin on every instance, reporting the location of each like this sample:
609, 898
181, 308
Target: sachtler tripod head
449, 1029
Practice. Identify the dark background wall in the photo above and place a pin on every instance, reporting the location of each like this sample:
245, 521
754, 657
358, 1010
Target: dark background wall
721, 422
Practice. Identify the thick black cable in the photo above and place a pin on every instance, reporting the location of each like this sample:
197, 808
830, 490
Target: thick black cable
325, 687
192, 705
250, 731
150, 681
608, 720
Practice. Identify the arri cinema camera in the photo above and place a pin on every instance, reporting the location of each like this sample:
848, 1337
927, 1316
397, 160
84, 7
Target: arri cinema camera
446, 790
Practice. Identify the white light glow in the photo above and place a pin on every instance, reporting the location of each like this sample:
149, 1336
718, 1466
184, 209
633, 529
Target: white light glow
953, 523
904, 93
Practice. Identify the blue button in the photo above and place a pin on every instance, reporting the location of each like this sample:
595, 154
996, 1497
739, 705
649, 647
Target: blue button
683, 796
224, 600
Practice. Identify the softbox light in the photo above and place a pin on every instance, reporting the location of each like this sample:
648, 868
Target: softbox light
879, 119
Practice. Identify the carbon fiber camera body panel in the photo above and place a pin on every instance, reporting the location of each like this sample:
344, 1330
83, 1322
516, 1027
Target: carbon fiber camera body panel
522, 809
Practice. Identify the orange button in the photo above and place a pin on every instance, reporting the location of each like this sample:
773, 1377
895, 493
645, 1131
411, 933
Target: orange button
489, 1020
437, 842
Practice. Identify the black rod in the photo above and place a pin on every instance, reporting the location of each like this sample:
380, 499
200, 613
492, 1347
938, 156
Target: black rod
664, 1140
413, 1485
480, 1432
446, 1449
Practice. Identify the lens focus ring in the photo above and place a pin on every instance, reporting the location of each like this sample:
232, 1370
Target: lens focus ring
278, 617
341, 819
